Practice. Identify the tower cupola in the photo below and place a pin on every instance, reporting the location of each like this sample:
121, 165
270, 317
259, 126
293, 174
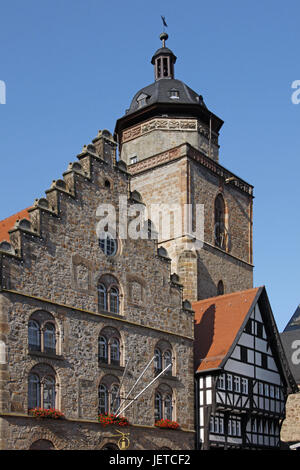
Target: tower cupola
163, 60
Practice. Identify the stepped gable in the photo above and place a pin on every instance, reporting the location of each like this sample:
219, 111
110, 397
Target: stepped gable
102, 149
8, 223
96, 166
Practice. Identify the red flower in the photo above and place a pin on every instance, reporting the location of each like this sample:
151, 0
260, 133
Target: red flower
166, 423
46, 413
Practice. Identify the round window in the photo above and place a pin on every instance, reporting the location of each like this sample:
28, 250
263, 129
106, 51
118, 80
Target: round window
108, 244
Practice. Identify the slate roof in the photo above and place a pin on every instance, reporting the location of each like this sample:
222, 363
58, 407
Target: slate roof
290, 338
158, 92
294, 322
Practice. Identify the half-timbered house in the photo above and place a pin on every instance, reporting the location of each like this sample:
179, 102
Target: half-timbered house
242, 375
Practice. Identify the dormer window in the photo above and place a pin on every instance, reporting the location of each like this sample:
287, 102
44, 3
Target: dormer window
142, 100
174, 94
133, 160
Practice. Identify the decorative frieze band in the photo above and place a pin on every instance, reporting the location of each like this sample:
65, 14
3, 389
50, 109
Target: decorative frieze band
167, 124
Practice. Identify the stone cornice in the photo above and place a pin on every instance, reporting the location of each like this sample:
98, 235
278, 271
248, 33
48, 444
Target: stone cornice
101, 315
187, 151
11, 414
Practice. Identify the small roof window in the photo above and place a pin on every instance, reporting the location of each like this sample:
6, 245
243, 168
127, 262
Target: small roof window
142, 100
173, 93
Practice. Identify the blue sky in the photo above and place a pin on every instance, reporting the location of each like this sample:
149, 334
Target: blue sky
71, 67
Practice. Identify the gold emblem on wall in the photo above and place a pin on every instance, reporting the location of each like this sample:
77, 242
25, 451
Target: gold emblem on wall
123, 442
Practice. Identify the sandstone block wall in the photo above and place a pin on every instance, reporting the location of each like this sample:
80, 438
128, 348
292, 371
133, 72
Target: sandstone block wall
178, 178
290, 430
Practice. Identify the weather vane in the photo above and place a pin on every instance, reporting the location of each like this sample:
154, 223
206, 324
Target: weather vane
164, 22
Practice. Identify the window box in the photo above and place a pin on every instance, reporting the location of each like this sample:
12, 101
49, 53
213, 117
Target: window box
166, 424
46, 413
110, 419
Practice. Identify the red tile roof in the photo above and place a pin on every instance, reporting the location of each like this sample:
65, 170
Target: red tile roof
7, 224
217, 322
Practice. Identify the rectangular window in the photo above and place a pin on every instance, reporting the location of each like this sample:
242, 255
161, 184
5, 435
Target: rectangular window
264, 361
259, 329
133, 160
245, 386
216, 425
229, 382
237, 384
244, 354
211, 424
266, 390
221, 382
248, 327
221, 425
234, 427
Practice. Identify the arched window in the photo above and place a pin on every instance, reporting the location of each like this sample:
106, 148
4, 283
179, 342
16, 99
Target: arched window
103, 399
158, 408
115, 351
164, 357
109, 346
34, 336
34, 391
168, 361
220, 288
108, 294
163, 403
168, 408
103, 350
114, 398
108, 244
114, 300
43, 334
219, 228
102, 297
109, 395
49, 393
42, 387
157, 360
49, 338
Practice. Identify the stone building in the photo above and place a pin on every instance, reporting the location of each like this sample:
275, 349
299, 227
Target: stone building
169, 140
78, 307
89, 309
290, 338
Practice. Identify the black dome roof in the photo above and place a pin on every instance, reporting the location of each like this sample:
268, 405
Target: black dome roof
160, 92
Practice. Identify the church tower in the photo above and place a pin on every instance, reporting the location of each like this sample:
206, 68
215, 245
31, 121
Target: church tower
169, 140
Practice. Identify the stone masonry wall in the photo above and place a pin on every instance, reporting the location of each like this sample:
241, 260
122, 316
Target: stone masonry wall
52, 268
290, 430
181, 180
